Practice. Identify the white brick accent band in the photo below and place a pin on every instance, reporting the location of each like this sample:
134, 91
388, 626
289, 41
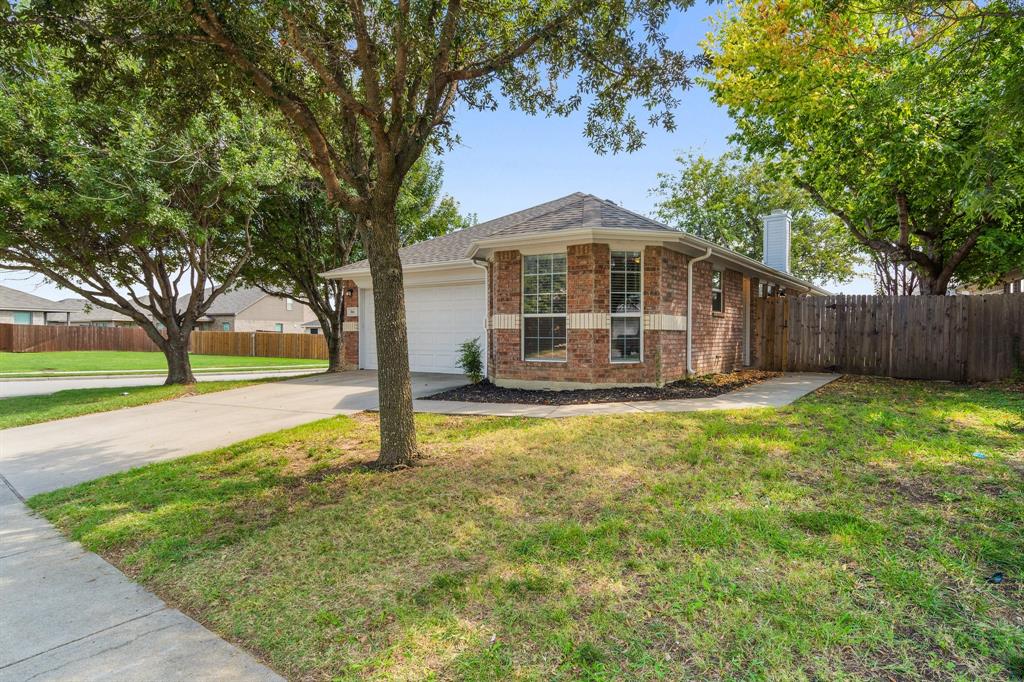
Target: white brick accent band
505, 321
350, 326
665, 322
589, 320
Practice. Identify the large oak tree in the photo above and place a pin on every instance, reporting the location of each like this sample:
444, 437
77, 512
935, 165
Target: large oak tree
907, 127
723, 200
101, 196
367, 85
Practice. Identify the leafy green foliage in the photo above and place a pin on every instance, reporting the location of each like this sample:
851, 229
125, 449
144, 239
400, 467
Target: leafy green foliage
471, 360
722, 200
911, 140
101, 195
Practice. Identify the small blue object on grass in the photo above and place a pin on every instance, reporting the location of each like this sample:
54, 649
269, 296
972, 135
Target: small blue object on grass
980, 455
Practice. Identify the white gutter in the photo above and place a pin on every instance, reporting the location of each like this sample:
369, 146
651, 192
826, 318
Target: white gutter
487, 304
689, 310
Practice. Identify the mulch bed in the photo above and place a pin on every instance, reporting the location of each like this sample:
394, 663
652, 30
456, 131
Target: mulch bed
696, 387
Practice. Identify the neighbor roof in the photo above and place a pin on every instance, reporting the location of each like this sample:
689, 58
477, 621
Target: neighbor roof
84, 311
13, 299
230, 302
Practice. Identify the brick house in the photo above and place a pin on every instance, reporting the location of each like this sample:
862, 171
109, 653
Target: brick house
574, 293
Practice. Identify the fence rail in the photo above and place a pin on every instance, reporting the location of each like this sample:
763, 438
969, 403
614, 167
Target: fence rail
23, 338
957, 338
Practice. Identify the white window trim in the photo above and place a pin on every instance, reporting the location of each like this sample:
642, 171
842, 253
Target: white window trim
640, 314
522, 308
720, 289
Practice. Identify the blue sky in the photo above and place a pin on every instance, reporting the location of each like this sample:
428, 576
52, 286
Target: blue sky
508, 160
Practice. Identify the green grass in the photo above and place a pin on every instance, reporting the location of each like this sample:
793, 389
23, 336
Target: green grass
116, 361
33, 409
848, 536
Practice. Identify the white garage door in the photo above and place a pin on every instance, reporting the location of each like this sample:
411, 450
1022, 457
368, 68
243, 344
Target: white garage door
439, 318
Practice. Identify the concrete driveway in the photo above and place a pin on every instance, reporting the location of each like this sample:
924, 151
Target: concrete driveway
65, 613
44, 457
12, 388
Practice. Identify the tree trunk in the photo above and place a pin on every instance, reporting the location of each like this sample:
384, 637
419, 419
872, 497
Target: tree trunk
335, 347
397, 428
179, 366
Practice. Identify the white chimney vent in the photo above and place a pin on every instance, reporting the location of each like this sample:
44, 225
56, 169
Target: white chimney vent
777, 229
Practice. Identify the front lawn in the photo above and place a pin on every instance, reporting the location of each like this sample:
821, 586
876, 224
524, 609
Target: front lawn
14, 364
33, 409
847, 536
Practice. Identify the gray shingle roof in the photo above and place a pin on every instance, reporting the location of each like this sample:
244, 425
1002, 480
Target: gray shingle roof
230, 302
584, 211
12, 299
577, 210
88, 312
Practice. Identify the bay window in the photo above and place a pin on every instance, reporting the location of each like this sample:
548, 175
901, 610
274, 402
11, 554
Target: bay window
544, 295
626, 307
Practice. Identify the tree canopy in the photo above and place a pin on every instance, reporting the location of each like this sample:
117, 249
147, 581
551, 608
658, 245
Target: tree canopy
914, 143
369, 85
101, 197
722, 200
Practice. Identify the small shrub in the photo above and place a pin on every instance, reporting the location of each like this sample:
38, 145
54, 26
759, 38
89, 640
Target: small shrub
471, 360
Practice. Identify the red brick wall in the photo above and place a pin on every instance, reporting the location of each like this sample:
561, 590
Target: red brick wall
588, 290
717, 337
671, 301
350, 339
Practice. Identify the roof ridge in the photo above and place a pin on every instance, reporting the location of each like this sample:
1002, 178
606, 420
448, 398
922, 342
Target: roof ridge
541, 214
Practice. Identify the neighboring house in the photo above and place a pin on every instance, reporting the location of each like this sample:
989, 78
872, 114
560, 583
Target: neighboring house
312, 327
18, 307
87, 314
249, 309
576, 292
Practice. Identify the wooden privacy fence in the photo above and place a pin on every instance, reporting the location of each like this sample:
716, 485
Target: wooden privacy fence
23, 338
957, 338
27, 338
260, 344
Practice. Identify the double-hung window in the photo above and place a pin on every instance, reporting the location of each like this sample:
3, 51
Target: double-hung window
626, 308
21, 317
717, 299
544, 307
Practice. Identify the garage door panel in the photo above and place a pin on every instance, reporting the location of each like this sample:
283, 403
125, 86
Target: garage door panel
439, 320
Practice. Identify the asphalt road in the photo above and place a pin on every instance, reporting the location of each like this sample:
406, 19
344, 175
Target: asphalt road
11, 388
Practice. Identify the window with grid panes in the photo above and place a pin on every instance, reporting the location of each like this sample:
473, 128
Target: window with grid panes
717, 299
626, 309
544, 289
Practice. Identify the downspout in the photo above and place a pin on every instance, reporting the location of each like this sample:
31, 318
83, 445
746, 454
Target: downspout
689, 310
485, 266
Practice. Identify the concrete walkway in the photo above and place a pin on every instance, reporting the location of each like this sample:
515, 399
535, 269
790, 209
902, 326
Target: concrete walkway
776, 392
65, 613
